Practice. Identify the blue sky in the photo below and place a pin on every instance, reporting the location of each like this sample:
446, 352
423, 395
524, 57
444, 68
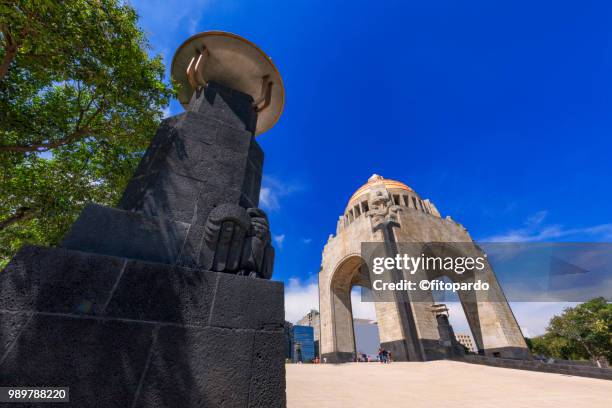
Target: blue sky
500, 113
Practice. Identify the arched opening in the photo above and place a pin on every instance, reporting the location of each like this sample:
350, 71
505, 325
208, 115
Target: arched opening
365, 326
462, 313
351, 272
456, 317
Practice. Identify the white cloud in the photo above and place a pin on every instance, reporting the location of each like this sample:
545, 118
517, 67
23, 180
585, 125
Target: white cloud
456, 317
166, 112
362, 310
193, 25
272, 190
268, 199
279, 240
300, 298
533, 317
535, 230
537, 218
306, 240
168, 14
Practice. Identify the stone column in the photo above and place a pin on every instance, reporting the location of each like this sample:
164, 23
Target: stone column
197, 161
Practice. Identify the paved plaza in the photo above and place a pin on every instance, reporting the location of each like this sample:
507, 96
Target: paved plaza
438, 384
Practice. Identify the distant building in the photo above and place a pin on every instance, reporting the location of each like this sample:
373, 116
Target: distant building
366, 333
367, 340
312, 320
303, 349
467, 341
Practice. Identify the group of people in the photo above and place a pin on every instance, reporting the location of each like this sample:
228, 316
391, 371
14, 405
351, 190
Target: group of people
384, 356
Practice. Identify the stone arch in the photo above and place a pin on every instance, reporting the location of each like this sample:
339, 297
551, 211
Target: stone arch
467, 300
488, 315
337, 343
350, 271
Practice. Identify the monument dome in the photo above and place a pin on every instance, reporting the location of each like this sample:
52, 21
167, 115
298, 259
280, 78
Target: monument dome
399, 193
377, 180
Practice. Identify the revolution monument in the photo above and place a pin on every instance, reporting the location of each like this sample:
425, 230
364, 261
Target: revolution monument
412, 326
166, 300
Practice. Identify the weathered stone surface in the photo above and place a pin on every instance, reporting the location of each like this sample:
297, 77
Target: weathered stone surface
242, 302
198, 160
251, 186
198, 367
213, 132
229, 106
159, 145
164, 194
204, 161
56, 280
109, 231
219, 338
212, 197
101, 361
190, 253
267, 387
11, 324
156, 292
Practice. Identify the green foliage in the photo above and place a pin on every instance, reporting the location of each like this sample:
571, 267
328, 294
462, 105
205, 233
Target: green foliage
80, 99
580, 333
558, 347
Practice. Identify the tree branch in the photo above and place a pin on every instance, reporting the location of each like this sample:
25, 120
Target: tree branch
43, 146
10, 54
22, 214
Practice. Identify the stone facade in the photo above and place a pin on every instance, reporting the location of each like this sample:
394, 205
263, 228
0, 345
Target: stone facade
390, 211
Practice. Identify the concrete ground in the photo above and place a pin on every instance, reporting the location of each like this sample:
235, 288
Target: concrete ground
438, 384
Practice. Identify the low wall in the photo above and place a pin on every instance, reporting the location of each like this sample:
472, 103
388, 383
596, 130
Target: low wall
533, 365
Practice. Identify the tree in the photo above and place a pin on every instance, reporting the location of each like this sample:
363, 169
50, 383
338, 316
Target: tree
555, 346
581, 332
588, 326
80, 99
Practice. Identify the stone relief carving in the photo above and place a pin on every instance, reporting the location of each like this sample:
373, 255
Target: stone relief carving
238, 241
382, 210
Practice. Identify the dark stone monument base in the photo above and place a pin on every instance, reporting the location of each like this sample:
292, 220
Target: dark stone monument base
128, 312
126, 234
129, 333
